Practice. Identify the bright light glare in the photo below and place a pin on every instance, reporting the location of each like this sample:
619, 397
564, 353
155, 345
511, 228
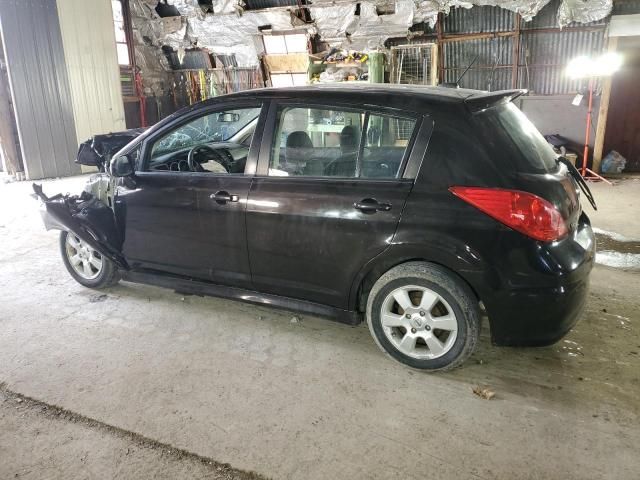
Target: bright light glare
604, 65
579, 67
610, 63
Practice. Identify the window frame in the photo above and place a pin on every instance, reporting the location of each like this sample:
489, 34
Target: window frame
126, 26
194, 114
419, 130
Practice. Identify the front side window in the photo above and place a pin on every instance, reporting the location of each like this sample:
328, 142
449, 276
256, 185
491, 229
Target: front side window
217, 142
317, 142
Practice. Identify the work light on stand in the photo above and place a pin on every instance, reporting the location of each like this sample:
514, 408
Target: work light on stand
592, 68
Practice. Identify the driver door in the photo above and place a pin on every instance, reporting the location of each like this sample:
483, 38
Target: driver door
184, 210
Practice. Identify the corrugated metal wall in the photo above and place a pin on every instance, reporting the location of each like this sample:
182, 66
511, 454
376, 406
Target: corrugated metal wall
489, 35
496, 38
479, 19
626, 7
40, 87
545, 55
491, 70
92, 66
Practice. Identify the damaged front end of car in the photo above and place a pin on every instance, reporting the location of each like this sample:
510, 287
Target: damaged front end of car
89, 215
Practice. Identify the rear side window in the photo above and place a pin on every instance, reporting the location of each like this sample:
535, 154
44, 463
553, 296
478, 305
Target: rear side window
317, 142
509, 130
386, 141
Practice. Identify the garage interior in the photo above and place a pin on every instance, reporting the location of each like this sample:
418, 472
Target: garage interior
142, 382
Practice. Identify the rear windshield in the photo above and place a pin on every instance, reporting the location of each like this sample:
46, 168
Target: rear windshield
509, 130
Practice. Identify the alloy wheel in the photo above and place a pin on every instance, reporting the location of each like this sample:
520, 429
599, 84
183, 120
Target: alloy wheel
418, 322
84, 260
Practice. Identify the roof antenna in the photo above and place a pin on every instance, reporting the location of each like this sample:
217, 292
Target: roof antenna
456, 84
490, 83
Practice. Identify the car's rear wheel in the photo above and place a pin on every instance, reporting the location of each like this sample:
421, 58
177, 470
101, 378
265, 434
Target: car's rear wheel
424, 316
86, 265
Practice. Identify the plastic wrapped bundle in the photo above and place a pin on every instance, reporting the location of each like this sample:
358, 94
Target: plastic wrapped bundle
613, 162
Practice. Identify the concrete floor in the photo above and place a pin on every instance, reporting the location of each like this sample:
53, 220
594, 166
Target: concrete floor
145, 370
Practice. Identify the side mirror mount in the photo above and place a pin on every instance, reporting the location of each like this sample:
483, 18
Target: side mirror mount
121, 166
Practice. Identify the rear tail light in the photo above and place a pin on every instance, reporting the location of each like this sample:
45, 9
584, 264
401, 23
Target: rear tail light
524, 212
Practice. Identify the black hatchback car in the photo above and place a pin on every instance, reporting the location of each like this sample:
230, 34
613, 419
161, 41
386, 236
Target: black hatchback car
414, 208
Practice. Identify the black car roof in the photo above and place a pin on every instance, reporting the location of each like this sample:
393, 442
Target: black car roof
405, 98
381, 94
441, 93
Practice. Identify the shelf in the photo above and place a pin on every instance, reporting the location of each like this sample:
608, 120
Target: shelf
344, 65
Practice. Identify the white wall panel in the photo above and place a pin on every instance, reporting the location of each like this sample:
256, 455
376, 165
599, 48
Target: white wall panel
94, 76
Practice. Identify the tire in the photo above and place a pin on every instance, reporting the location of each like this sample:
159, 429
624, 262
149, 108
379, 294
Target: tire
105, 276
439, 328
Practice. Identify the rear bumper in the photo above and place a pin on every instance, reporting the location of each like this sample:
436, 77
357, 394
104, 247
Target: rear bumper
538, 306
536, 317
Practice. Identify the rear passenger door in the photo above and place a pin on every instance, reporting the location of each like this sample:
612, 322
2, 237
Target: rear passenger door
327, 197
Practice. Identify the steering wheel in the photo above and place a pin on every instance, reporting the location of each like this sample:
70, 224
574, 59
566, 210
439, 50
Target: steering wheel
196, 167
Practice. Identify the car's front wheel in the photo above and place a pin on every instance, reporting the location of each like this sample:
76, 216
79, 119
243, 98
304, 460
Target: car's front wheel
86, 265
424, 316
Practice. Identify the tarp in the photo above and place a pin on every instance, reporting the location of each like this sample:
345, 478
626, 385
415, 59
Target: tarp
231, 30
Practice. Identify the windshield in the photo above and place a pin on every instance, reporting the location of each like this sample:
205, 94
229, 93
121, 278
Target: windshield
509, 129
215, 127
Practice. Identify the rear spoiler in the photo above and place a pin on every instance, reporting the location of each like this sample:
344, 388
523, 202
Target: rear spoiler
481, 101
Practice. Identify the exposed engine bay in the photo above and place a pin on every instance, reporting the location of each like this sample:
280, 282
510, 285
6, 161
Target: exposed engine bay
89, 215
96, 152
101, 186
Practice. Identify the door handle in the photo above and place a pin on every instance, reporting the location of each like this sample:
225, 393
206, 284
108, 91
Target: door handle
223, 197
371, 205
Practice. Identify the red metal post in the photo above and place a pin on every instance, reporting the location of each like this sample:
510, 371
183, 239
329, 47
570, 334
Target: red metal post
588, 129
587, 173
141, 98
